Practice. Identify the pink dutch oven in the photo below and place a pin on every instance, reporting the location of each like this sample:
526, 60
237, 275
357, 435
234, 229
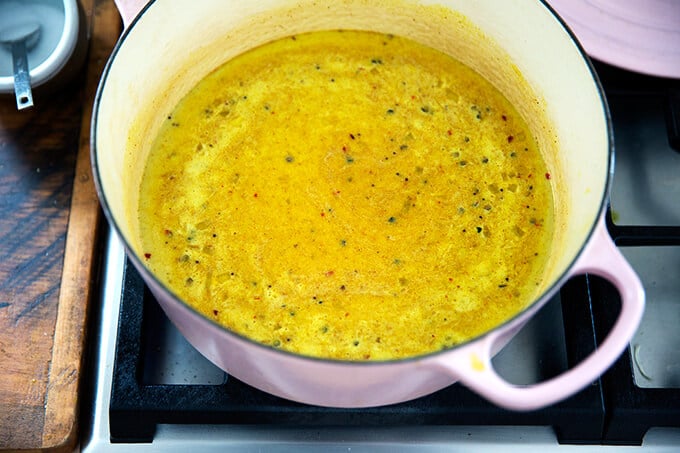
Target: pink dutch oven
172, 44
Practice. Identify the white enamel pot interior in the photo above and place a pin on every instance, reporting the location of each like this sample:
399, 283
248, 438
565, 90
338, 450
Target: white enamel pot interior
519, 45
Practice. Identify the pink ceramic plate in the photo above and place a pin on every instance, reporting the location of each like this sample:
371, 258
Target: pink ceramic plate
643, 36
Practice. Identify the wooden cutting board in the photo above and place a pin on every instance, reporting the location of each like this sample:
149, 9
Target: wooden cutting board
49, 217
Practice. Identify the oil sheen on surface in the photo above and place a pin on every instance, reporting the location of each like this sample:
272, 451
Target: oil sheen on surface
348, 195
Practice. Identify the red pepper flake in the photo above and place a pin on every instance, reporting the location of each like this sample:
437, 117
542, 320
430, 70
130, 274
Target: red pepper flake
168, 233
547, 176
510, 138
344, 149
323, 214
255, 195
330, 273
451, 279
215, 312
504, 118
147, 255
450, 132
346, 315
413, 97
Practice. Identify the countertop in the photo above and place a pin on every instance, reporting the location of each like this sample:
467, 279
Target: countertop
49, 222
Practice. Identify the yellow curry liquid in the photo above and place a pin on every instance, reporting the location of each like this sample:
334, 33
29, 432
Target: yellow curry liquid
348, 195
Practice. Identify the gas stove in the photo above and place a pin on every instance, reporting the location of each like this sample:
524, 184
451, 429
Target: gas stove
151, 391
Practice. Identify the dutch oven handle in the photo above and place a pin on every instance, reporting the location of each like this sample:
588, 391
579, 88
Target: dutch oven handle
600, 257
129, 9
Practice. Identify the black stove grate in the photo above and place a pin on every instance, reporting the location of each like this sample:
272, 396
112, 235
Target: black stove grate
632, 410
137, 407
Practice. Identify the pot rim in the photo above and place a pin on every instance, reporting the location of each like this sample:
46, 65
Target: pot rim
535, 305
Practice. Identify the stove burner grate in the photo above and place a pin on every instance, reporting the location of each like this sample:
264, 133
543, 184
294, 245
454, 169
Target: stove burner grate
137, 407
